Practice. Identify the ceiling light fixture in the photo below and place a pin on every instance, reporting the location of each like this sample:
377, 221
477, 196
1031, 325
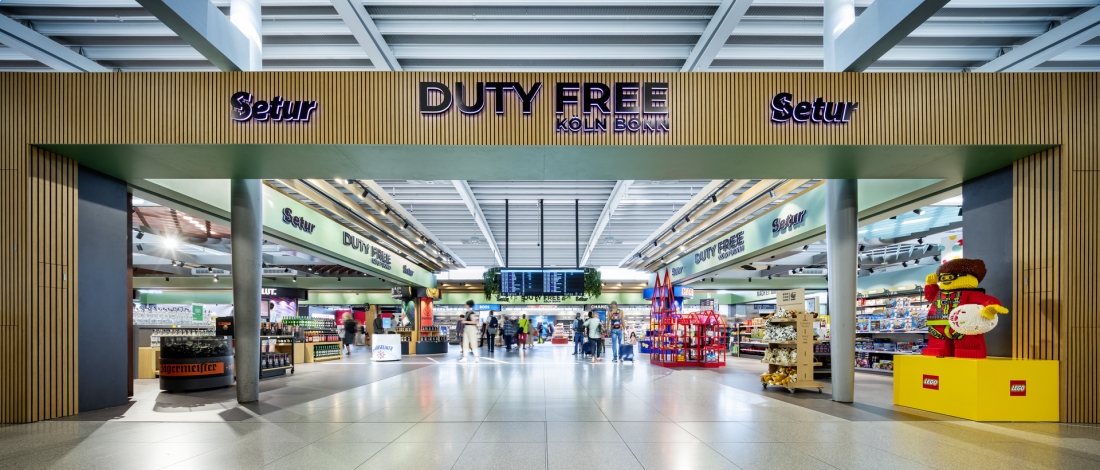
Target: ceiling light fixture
904, 264
769, 277
714, 198
681, 247
140, 234
918, 211
805, 247
871, 270
165, 278
406, 226
387, 211
936, 258
365, 194
916, 261
338, 278
861, 247
687, 220
286, 270
215, 278
771, 193
139, 248
295, 279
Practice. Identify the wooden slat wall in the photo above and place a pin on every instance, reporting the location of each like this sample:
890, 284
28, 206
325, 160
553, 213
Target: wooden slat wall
1055, 203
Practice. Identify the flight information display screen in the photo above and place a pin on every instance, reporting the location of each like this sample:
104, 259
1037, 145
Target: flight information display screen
541, 282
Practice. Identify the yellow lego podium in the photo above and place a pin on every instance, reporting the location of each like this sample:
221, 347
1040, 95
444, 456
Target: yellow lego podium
991, 389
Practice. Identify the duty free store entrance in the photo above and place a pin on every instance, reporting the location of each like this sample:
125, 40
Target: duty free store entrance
945, 129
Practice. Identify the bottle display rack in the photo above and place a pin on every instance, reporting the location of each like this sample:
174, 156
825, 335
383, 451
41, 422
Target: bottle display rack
317, 352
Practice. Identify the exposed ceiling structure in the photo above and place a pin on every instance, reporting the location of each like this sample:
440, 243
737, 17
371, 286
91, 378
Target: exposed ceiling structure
511, 35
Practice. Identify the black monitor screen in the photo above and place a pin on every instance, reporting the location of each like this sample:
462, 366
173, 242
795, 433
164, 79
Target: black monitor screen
539, 282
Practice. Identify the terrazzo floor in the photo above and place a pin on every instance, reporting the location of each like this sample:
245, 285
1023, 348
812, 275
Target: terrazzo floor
540, 409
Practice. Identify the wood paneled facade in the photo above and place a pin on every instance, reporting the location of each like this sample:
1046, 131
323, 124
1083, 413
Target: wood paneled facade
1055, 199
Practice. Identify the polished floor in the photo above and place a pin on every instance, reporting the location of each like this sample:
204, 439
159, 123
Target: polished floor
542, 409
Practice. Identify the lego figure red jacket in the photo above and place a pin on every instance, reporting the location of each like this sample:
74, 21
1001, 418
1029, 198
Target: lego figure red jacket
955, 283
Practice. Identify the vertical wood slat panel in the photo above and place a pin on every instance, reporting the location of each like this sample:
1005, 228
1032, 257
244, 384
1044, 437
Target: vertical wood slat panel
1055, 315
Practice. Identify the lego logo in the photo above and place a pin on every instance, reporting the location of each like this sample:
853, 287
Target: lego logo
1017, 388
931, 382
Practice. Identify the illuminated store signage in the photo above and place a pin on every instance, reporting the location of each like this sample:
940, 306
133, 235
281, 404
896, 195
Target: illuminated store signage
378, 256
817, 111
245, 108
780, 224
298, 222
622, 107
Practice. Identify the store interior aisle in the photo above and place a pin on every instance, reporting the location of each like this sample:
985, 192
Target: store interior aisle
541, 409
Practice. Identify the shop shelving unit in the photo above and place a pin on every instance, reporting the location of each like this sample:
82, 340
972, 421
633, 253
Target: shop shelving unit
685, 339
794, 301
896, 315
312, 353
281, 347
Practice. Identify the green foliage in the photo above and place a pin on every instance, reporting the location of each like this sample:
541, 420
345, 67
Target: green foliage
491, 283
593, 284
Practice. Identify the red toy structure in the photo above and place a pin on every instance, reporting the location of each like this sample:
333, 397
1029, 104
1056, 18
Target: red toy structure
683, 339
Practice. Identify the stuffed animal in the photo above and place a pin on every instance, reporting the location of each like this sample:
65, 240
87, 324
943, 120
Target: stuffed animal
953, 285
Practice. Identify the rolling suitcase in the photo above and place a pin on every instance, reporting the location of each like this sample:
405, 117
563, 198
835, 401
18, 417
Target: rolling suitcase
589, 348
626, 352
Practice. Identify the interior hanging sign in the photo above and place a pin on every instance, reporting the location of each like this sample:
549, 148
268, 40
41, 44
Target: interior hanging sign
816, 111
590, 107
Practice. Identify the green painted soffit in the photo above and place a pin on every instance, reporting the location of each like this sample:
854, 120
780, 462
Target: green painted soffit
132, 162
625, 298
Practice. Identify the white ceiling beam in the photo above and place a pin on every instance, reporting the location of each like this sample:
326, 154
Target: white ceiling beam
366, 32
400, 213
617, 194
723, 22
207, 29
1057, 41
467, 195
704, 193
43, 49
538, 51
881, 27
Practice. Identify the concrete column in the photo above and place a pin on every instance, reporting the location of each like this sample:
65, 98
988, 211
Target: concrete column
841, 227
839, 14
246, 206
245, 15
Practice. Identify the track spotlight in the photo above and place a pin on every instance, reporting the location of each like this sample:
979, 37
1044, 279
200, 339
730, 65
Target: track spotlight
805, 247
681, 247
139, 248
286, 270
405, 227
861, 247
894, 218
687, 220
920, 241
714, 198
936, 258
960, 212
771, 193
295, 279
338, 278
750, 279
673, 228
209, 269
311, 269
712, 279
654, 243
918, 211
365, 194
916, 261
140, 234
871, 270
387, 211
215, 278
769, 277
800, 270
165, 278
904, 264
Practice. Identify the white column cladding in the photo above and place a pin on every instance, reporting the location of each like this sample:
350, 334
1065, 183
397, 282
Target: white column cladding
246, 226
839, 14
245, 15
841, 231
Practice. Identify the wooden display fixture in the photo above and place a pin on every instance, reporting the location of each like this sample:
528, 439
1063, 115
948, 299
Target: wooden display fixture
794, 301
311, 358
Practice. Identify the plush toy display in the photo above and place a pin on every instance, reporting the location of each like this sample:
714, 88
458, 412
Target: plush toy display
961, 313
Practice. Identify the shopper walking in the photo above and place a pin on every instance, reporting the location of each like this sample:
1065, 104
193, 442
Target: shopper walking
595, 330
524, 325
578, 335
509, 333
350, 325
615, 324
469, 335
492, 326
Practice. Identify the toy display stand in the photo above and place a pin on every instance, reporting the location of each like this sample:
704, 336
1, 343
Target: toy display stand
684, 339
803, 344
